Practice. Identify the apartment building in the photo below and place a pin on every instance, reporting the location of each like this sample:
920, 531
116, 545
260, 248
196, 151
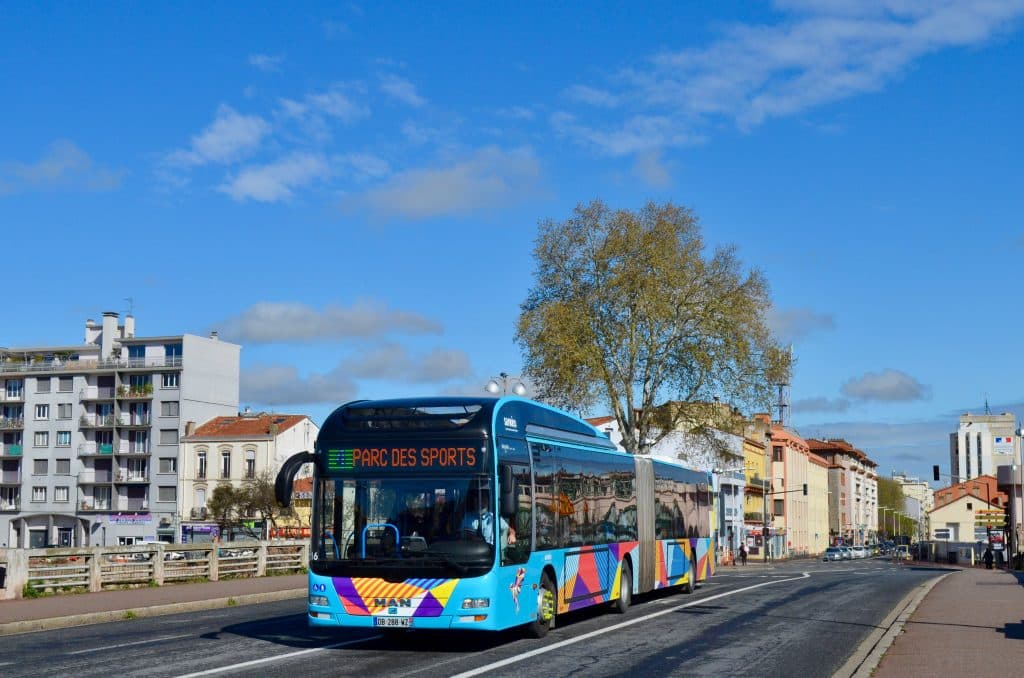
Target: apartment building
981, 444
789, 505
234, 450
920, 492
90, 432
853, 484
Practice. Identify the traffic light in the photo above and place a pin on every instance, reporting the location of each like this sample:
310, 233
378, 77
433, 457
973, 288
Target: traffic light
805, 489
935, 472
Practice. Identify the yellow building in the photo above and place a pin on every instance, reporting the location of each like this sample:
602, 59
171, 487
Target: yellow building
817, 505
754, 497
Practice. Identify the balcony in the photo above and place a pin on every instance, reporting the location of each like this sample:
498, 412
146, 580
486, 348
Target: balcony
137, 393
753, 517
12, 423
198, 513
128, 448
123, 478
10, 505
134, 421
93, 477
12, 396
90, 506
96, 393
149, 363
10, 450
97, 421
91, 449
125, 504
10, 478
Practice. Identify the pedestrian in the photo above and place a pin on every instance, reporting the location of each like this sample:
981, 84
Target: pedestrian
988, 558
743, 554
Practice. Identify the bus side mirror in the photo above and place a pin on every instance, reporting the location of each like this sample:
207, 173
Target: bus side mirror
507, 506
286, 476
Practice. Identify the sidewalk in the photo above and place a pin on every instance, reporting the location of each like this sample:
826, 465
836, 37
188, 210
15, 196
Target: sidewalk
62, 611
970, 624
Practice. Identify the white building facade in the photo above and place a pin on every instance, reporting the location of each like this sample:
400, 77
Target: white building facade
981, 444
234, 450
89, 433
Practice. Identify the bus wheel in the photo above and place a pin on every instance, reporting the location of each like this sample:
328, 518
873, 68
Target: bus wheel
625, 589
546, 596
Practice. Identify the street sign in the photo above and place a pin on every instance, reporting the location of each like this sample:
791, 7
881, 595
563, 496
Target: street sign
942, 533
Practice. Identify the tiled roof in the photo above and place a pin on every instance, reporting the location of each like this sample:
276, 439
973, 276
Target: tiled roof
246, 426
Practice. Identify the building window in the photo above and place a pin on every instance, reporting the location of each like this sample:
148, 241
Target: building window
38, 493
225, 464
63, 438
169, 408
777, 453
137, 352
168, 465
780, 507
168, 436
250, 464
64, 411
201, 465
40, 467
65, 384
60, 494
167, 493
42, 384
63, 467
41, 439
42, 412
171, 380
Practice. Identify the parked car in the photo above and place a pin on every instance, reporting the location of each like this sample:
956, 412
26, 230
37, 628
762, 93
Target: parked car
901, 552
847, 553
860, 552
833, 553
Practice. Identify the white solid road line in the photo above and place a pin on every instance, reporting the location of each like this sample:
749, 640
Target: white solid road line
276, 658
138, 642
615, 627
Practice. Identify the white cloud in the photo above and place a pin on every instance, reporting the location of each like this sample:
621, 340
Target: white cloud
267, 63
814, 53
888, 385
276, 181
651, 170
365, 165
268, 322
592, 96
230, 137
636, 134
336, 104
64, 165
792, 324
402, 90
490, 178
517, 113
277, 385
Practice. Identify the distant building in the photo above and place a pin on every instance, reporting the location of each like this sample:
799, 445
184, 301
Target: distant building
853, 488
89, 432
922, 495
957, 506
233, 450
981, 444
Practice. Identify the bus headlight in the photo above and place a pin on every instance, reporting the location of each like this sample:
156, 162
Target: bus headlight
474, 603
320, 601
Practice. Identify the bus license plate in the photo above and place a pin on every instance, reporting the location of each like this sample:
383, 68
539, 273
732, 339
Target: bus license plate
393, 622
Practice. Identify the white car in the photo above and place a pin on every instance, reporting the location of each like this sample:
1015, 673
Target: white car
859, 552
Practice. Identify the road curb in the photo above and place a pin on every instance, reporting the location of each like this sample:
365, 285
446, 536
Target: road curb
863, 662
32, 625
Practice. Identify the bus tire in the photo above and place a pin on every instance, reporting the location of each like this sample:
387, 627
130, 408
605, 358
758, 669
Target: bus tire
625, 589
547, 602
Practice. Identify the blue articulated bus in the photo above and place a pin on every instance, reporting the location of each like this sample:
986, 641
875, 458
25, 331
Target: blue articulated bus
489, 513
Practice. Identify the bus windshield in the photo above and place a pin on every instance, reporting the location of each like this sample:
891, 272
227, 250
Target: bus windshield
398, 527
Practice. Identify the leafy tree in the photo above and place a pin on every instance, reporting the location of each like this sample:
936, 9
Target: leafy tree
224, 506
890, 496
258, 499
627, 311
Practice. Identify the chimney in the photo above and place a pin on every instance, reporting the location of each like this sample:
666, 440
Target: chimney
109, 334
190, 428
213, 335
129, 326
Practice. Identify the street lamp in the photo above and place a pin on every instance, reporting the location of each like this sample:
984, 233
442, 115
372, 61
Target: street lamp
504, 383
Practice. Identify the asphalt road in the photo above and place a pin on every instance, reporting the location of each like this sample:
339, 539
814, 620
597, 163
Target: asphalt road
804, 618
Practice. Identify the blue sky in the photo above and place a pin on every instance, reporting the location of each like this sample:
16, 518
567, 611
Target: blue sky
351, 191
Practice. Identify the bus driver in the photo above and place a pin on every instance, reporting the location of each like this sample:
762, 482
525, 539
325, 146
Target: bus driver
480, 521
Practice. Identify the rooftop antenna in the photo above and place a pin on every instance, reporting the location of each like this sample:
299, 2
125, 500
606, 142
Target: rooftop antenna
131, 305
782, 398
987, 410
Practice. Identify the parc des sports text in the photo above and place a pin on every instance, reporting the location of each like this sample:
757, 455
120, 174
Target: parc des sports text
414, 457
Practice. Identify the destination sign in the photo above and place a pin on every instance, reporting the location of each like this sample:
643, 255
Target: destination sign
426, 458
